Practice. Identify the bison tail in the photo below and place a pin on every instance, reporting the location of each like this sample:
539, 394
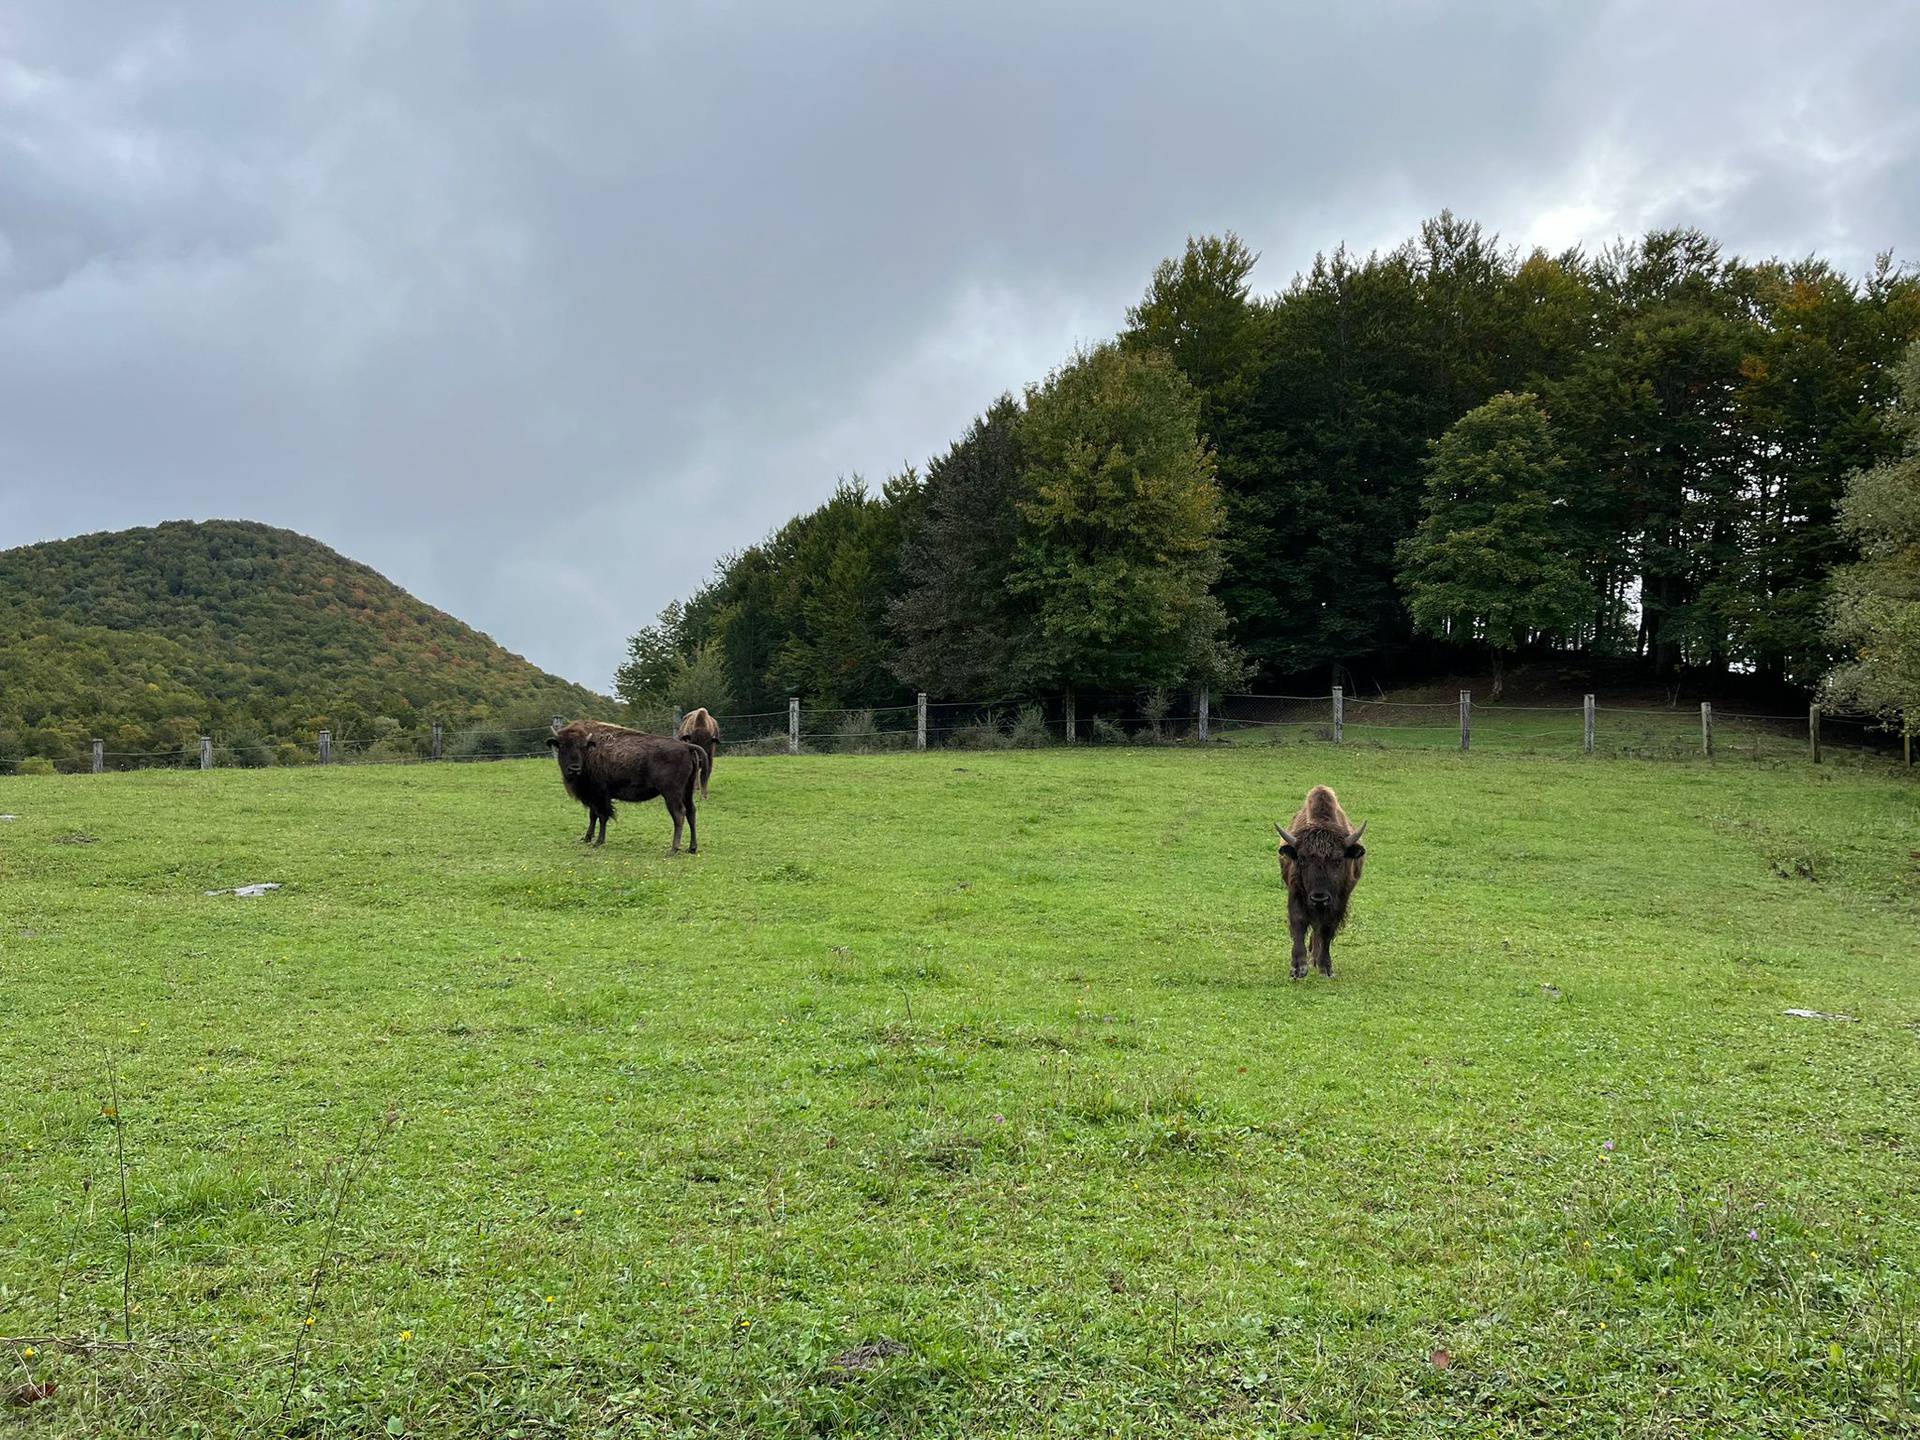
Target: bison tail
702, 767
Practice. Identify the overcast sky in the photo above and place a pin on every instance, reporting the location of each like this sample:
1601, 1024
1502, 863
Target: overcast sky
538, 308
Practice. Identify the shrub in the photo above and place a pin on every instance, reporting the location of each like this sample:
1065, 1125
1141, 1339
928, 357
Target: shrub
244, 748
1154, 706
483, 744
1029, 730
856, 732
1105, 732
34, 765
289, 753
982, 734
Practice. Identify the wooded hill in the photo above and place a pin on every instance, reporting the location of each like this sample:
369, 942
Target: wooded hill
150, 638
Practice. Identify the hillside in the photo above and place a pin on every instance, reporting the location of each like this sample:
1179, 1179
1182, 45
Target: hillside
150, 638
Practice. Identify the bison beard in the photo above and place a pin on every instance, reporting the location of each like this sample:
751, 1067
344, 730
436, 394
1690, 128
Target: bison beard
1321, 858
602, 763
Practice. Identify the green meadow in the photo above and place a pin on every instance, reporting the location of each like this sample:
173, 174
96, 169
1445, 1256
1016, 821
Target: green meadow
963, 1094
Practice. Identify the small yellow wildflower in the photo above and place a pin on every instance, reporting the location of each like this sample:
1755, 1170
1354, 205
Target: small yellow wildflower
405, 1335
28, 1353
549, 1299
310, 1319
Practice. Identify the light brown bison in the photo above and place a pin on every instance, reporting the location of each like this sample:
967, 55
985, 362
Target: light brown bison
601, 763
700, 728
1321, 858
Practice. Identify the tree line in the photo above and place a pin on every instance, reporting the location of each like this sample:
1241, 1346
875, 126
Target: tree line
1444, 455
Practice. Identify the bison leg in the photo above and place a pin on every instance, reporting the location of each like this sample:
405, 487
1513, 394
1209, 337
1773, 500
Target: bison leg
599, 819
1297, 924
1323, 952
693, 831
676, 808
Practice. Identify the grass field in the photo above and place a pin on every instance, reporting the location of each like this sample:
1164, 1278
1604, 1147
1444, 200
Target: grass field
992, 1056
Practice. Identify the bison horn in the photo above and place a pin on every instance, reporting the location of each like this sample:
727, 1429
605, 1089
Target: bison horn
1283, 833
1354, 839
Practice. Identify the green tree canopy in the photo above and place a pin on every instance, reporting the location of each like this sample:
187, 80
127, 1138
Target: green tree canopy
1119, 544
1490, 560
1876, 601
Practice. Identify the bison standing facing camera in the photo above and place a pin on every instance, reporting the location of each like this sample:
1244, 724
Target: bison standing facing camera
601, 763
1321, 858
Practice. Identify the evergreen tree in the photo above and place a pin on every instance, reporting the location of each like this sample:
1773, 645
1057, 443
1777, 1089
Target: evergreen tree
956, 624
1489, 562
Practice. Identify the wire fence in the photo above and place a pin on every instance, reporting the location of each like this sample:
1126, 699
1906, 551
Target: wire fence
1156, 718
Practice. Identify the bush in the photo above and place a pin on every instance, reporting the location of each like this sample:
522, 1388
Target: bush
34, 765
856, 732
485, 744
1029, 730
392, 750
244, 748
1154, 706
289, 753
1105, 732
983, 734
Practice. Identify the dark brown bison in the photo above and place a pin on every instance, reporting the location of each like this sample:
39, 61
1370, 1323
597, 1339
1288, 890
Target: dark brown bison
602, 763
1321, 858
700, 728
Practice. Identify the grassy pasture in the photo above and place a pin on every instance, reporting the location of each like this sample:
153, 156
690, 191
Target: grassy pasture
990, 1055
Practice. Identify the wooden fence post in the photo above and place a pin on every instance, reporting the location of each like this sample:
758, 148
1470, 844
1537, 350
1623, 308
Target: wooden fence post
99, 756
1206, 699
1072, 719
1813, 732
1588, 707
1706, 728
437, 749
793, 725
920, 721
1466, 719
559, 723
326, 747
206, 752
1339, 714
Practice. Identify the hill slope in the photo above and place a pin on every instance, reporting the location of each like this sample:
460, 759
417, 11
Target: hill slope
150, 638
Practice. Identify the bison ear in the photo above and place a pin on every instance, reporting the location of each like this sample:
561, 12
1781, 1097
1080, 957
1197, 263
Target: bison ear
1354, 848
589, 742
553, 742
1287, 842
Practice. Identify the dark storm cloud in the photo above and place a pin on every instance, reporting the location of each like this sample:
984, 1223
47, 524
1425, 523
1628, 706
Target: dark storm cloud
538, 308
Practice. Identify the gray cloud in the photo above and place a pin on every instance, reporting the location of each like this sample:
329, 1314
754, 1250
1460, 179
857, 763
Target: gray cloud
538, 308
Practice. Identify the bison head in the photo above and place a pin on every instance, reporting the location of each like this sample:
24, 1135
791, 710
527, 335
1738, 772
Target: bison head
1323, 866
570, 745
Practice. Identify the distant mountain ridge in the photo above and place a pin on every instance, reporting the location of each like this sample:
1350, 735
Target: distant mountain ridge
149, 638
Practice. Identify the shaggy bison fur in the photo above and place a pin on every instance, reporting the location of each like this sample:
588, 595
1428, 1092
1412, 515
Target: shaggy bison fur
601, 763
1321, 858
700, 728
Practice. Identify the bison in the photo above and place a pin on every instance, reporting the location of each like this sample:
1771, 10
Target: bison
601, 763
1321, 858
700, 728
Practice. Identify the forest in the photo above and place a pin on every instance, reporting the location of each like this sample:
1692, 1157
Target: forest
1446, 458
150, 638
